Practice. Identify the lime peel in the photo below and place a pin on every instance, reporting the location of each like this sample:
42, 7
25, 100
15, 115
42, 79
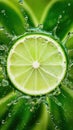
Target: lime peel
36, 64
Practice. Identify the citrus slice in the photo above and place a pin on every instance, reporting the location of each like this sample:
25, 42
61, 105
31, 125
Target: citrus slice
36, 64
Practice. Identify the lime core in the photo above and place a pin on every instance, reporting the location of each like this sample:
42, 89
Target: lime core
36, 65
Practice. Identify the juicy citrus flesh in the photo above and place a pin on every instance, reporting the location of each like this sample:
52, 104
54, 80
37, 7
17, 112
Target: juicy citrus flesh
36, 64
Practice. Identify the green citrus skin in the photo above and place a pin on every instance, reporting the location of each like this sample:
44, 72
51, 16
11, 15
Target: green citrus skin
36, 64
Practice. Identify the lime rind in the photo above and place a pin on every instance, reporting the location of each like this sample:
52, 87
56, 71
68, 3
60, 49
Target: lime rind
32, 52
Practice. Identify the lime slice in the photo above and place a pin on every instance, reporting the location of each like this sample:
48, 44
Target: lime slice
36, 64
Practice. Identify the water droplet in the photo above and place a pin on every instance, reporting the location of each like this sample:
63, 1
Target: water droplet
9, 115
10, 103
56, 27
26, 97
1, 28
59, 20
54, 31
32, 109
14, 37
20, 1
60, 16
26, 18
56, 128
3, 12
2, 48
69, 4
5, 83
63, 11
15, 103
40, 26
47, 105
3, 121
26, 25
3, 61
0, 69
56, 92
70, 34
8, 35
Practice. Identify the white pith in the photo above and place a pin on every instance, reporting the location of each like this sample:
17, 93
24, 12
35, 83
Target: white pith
36, 65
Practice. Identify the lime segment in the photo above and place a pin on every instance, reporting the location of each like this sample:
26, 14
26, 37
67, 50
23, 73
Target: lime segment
36, 64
